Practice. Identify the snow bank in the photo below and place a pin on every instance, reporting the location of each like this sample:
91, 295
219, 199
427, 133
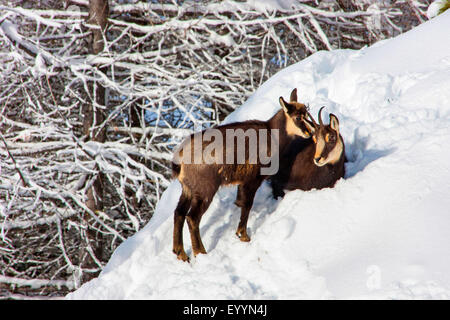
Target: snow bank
437, 7
382, 232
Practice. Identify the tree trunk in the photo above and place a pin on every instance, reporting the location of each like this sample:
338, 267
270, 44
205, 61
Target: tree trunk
94, 115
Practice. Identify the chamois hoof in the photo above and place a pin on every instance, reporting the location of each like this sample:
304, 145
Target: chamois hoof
197, 252
243, 237
278, 195
182, 256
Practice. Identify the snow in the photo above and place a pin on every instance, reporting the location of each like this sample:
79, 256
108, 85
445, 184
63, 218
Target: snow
272, 5
435, 7
382, 232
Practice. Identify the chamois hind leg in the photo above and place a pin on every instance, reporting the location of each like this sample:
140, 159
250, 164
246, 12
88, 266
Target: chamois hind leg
199, 207
179, 217
245, 196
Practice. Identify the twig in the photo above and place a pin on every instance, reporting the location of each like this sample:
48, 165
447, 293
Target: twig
16, 167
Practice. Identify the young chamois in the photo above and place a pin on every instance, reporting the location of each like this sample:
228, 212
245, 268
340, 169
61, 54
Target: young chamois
201, 180
312, 163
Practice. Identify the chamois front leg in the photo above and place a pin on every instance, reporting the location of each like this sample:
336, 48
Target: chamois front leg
277, 188
245, 196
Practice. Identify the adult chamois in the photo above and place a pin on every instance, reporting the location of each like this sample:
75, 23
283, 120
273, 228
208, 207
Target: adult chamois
312, 163
251, 148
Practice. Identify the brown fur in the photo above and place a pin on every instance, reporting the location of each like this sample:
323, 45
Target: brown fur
200, 181
299, 167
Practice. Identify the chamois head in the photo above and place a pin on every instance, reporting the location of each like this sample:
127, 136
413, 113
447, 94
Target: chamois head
329, 144
296, 116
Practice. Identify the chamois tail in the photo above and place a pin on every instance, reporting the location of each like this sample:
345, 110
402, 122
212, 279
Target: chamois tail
176, 168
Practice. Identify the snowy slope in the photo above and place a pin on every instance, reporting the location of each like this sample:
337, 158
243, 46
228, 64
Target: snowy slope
383, 232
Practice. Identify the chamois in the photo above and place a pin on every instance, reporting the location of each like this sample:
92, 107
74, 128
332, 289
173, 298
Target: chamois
312, 163
201, 180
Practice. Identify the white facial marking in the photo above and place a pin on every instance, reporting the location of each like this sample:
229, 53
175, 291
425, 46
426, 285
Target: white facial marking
332, 157
292, 129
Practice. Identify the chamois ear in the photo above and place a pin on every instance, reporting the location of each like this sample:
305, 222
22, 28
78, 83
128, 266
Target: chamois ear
293, 97
334, 123
287, 107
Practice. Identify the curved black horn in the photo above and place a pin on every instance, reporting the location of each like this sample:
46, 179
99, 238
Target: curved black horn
320, 116
312, 120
